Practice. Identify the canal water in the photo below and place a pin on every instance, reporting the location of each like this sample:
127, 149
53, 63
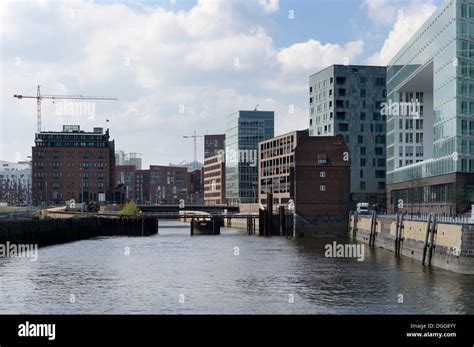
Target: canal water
173, 273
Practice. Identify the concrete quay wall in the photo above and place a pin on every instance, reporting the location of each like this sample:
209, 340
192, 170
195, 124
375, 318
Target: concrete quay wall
453, 243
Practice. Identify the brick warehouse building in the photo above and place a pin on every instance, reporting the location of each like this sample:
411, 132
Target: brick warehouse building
72, 164
321, 184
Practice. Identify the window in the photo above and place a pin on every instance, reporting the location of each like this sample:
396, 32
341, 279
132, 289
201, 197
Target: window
362, 93
362, 162
322, 174
360, 139
419, 138
379, 82
378, 150
362, 185
322, 188
362, 116
362, 150
361, 174
343, 127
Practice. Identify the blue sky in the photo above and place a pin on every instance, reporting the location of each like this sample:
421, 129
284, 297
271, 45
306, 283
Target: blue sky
175, 72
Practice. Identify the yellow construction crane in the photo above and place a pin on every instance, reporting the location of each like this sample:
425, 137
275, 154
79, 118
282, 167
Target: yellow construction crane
194, 137
40, 97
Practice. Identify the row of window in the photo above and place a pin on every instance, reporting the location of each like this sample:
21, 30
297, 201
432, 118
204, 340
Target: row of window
409, 123
409, 137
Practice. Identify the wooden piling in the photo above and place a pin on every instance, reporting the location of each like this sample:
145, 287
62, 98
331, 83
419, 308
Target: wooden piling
269, 224
261, 222
281, 210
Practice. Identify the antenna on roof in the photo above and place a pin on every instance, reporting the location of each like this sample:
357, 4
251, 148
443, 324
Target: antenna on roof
255, 109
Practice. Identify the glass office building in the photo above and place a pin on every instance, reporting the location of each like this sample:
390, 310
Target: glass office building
244, 130
430, 152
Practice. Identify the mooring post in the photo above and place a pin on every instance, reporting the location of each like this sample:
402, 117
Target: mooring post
373, 229
192, 226
432, 236
425, 247
400, 232
157, 226
354, 229
269, 223
282, 219
260, 222
397, 226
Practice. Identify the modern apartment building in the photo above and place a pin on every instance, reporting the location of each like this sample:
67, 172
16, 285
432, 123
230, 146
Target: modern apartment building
72, 164
430, 153
275, 163
214, 180
213, 145
346, 100
15, 182
244, 130
123, 158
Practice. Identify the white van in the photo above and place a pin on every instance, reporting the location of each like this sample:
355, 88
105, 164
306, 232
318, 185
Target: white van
363, 208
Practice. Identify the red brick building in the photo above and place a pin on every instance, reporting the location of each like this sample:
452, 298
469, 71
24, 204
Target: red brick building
163, 185
72, 164
321, 184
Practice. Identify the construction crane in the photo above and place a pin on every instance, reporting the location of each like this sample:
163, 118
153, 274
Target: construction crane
40, 97
194, 137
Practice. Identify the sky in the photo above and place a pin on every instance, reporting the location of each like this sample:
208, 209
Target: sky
177, 66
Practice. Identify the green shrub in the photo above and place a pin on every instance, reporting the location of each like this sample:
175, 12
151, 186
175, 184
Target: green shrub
130, 209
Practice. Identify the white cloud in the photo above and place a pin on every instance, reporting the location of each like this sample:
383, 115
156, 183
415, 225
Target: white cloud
410, 20
269, 5
312, 54
382, 12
